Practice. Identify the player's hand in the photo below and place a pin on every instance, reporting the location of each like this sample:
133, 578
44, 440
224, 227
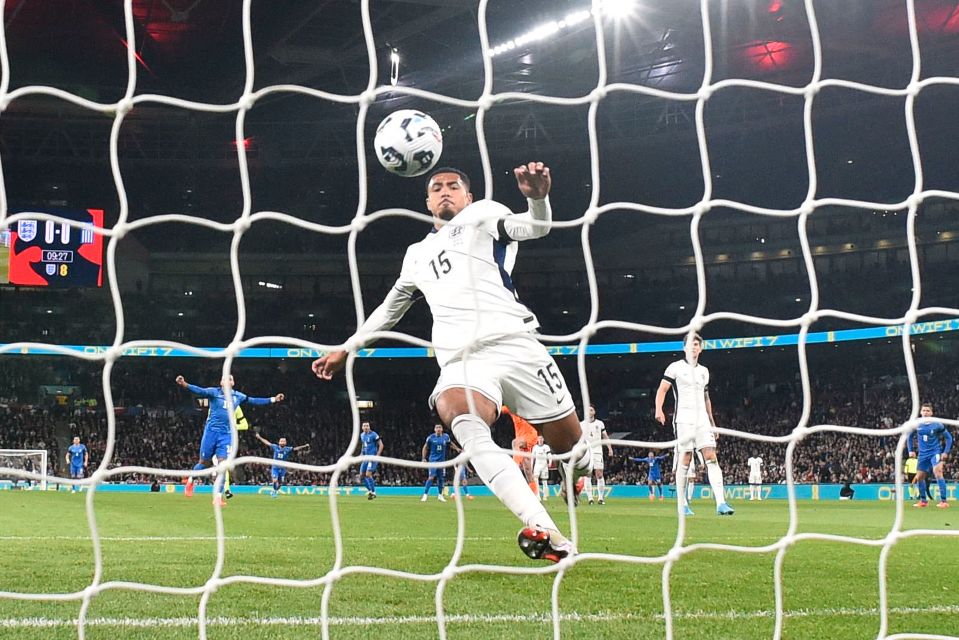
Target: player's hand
660, 416
180, 380
912, 454
331, 363
533, 180
943, 457
280, 397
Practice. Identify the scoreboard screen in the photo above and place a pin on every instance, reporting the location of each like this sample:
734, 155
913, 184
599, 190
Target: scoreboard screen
44, 253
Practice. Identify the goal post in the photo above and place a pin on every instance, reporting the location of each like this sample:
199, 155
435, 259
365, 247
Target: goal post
25, 460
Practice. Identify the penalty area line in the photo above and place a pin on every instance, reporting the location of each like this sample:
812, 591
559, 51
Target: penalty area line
298, 621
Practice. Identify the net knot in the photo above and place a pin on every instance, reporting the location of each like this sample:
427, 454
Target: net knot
486, 102
246, 102
124, 106
597, 94
359, 223
367, 98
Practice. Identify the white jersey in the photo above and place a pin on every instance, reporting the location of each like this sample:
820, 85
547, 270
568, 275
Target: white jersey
593, 432
540, 453
755, 466
689, 384
464, 271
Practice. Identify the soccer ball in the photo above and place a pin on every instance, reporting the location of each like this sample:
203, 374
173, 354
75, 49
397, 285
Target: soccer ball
408, 143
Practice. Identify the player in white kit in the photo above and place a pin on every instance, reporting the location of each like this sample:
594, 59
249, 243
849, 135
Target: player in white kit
594, 431
755, 477
541, 453
484, 338
693, 420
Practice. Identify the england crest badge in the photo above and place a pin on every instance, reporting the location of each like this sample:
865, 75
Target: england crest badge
27, 230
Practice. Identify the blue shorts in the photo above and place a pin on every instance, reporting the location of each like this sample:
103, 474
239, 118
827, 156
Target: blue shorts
76, 471
438, 472
369, 466
655, 477
214, 443
927, 463
278, 473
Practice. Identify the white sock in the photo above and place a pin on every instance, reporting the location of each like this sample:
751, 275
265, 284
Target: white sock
496, 468
601, 489
681, 484
715, 475
545, 489
588, 488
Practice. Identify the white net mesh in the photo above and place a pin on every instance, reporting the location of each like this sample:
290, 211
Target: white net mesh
487, 101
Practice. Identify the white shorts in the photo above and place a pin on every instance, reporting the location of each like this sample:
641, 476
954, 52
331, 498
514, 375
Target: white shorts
598, 460
513, 370
541, 471
755, 478
694, 437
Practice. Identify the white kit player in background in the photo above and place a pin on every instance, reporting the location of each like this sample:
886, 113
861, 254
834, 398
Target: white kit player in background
755, 477
693, 420
484, 339
594, 431
541, 453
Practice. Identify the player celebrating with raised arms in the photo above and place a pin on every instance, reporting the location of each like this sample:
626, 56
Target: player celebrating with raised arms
935, 442
370, 445
484, 338
693, 420
281, 451
216, 432
654, 479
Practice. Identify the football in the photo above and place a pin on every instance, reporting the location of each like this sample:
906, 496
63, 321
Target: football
408, 143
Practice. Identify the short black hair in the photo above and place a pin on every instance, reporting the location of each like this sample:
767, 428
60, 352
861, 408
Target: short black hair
695, 337
462, 174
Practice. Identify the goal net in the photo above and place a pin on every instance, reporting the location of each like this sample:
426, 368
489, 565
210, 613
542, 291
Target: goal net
24, 467
800, 318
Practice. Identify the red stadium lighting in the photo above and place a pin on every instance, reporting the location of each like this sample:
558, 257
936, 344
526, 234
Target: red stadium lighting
247, 142
769, 55
775, 6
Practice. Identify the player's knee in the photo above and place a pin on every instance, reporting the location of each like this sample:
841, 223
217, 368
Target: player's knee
455, 402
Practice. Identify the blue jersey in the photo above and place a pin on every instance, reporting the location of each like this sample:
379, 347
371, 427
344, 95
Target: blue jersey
218, 418
77, 453
281, 453
370, 441
653, 464
930, 436
438, 446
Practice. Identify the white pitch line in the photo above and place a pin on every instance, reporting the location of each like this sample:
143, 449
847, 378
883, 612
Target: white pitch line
123, 538
298, 621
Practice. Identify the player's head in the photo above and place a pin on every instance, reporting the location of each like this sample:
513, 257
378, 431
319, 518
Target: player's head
438, 429
227, 381
925, 410
693, 344
365, 426
540, 440
76, 439
651, 454
282, 442
592, 412
447, 193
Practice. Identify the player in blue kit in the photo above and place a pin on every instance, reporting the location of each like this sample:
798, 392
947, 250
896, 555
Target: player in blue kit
655, 476
370, 445
78, 458
216, 432
280, 452
435, 448
935, 442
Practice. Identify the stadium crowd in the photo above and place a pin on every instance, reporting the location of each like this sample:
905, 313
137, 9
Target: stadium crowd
158, 425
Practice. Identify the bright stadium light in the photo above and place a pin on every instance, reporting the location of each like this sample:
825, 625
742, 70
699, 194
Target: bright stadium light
618, 9
542, 32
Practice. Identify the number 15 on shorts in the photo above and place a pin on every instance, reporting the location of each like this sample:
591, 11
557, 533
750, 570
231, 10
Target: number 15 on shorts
553, 381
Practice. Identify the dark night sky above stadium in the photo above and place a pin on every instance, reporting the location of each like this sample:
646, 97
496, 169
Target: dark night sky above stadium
302, 149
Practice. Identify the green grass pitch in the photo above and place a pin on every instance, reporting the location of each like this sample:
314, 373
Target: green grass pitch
831, 588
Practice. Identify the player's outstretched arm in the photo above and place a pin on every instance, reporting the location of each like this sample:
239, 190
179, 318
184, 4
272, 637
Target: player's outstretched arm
533, 180
262, 439
394, 306
302, 447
